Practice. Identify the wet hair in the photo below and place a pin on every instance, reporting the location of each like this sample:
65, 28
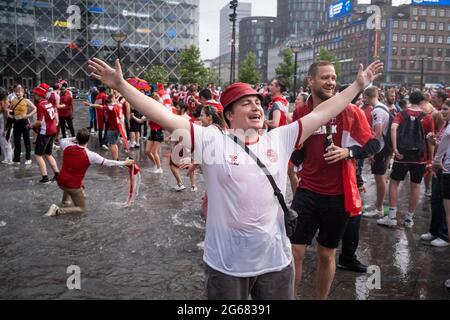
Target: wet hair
416, 97
312, 71
216, 116
197, 112
403, 104
371, 92
304, 96
3, 93
205, 94
109, 100
442, 95
83, 136
281, 82
183, 106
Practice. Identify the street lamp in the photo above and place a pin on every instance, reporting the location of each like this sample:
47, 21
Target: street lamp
233, 18
119, 38
295, 48
422, 69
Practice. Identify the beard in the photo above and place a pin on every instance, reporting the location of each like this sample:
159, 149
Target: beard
322, 95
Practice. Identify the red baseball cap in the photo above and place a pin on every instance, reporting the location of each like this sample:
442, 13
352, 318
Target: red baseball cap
237, 91
41, 90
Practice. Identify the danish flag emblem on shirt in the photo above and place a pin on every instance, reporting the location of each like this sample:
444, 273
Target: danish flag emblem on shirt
233, 160
272, 156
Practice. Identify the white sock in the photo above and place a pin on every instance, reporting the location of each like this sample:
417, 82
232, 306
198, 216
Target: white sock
392, 213
409, 215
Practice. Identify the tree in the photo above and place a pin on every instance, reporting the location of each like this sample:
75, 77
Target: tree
286, 69
325, 55
248, 72
191, 66
210, 77
156, 74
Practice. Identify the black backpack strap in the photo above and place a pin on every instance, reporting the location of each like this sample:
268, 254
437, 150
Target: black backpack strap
378, 106
276, 190
422, 115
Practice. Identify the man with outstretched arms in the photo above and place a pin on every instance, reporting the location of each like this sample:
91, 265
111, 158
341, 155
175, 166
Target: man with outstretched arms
247, 251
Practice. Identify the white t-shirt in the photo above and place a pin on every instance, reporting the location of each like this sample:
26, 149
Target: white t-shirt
381, 117
443, 150
245, 233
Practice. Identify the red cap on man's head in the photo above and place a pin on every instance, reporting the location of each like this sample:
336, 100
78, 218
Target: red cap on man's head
237, 91
41, 90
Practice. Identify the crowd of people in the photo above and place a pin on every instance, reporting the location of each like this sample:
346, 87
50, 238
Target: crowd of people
228, 137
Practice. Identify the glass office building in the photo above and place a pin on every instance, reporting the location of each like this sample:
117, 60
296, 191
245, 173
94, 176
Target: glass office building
300, 19
42, 41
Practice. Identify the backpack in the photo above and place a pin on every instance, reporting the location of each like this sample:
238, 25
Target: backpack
411, 140
387, 137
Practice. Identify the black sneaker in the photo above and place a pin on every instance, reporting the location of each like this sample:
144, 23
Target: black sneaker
354, 266
44, 181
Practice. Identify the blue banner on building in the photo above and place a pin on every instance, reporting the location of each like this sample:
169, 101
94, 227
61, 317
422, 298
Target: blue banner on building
339, 9
432, 2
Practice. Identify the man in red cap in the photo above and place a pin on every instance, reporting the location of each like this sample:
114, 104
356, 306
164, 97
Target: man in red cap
46, 126
247, 251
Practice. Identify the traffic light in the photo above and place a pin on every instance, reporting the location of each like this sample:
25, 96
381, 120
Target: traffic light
233, 4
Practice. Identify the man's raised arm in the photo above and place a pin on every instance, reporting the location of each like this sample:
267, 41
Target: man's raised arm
152, 109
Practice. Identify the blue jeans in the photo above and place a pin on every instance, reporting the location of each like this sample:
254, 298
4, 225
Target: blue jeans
438, 224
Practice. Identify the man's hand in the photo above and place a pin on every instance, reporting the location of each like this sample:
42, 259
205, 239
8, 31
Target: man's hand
335, 154
369, 75
437, 166
432, 138
398, 155
112, 78
129, 162
371, 160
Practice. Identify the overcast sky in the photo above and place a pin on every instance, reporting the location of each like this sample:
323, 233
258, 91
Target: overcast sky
210, 21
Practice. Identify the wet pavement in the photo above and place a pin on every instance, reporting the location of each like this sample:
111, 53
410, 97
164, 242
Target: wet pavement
152, 250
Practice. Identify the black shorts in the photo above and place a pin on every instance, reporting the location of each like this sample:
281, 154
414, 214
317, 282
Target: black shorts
319, 212
44, 145
156, 136
416, 171
381, 163
134, 126
445, 186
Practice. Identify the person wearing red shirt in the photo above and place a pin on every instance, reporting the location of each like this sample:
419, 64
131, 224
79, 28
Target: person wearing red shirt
65, 111
414, 163
46, 125
279, 106
113, 110
99, 113
320, 197
76, 161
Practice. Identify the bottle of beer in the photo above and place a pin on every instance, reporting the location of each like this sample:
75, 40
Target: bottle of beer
328, 138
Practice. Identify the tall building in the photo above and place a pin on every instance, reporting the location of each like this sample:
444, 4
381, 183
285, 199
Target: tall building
300, 19
243, 10
51, 39
412, 38
257, 34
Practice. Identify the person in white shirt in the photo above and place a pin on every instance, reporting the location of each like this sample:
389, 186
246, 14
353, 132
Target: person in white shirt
380, 161
247, 251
